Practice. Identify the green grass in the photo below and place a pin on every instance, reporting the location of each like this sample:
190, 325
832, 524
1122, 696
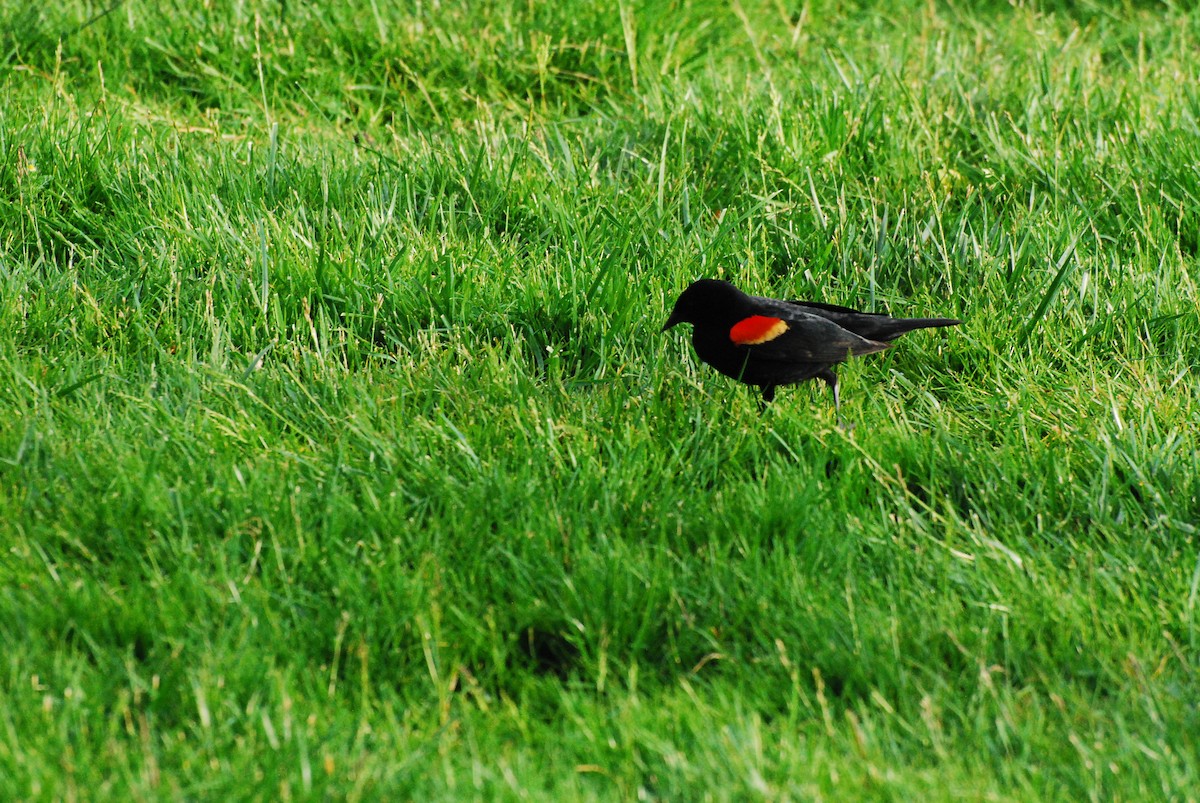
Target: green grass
341, 456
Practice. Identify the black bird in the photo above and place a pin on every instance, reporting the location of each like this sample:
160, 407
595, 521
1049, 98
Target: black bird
768, 342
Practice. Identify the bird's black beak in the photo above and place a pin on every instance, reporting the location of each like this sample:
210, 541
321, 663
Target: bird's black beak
674, 320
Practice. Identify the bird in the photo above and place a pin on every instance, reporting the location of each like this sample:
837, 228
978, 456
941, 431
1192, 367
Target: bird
767, 342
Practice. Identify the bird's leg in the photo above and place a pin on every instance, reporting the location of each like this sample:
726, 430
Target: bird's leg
768, 396
831, 379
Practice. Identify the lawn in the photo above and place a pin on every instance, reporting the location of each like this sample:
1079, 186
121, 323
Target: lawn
341, 455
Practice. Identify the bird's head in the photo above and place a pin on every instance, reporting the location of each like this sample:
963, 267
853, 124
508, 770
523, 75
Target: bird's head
703, 299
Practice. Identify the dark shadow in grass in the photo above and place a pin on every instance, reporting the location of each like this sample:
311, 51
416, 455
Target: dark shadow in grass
553, 338
1186, 227
835, 686
916, 490
544, 650
832, 466
25, 36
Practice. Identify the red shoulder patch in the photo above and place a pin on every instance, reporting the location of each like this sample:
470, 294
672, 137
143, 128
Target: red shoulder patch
756, 329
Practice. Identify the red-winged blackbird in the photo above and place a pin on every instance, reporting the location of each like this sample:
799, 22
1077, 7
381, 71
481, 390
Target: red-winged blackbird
766, 342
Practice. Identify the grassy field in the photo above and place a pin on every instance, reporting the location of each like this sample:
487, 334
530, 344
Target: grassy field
341, 456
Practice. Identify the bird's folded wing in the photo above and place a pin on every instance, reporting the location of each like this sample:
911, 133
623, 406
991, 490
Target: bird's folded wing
787, 334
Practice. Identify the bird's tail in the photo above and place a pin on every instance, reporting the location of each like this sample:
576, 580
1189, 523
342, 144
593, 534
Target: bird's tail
870, 325
887, 329
899, 326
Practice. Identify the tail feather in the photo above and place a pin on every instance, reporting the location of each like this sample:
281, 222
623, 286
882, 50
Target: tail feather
899, 326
